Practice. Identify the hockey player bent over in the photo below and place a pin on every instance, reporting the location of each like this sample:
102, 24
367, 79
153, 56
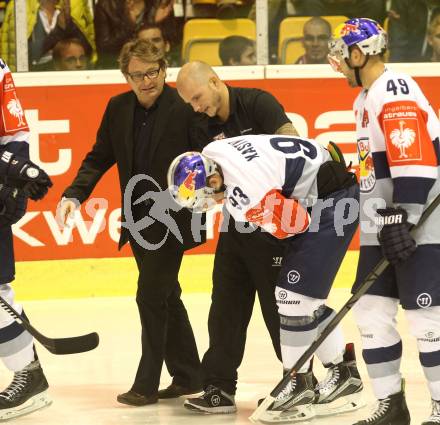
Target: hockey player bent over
19, 179
292, 188
398, 145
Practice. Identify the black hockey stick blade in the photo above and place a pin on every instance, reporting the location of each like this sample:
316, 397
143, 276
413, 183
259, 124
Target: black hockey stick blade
75, 344
72, 345
362, 289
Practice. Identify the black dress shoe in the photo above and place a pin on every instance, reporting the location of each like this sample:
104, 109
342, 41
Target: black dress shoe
134, 399
174, 391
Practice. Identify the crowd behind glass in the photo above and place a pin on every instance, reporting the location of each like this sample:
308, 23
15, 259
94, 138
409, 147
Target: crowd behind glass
88, 34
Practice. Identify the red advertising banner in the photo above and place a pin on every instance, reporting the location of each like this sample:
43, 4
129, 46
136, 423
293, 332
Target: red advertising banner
64, 120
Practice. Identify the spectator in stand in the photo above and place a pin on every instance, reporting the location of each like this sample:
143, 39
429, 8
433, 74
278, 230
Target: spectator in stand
153, 33
316, 34
373, 9
223, 9
118, 21
70, 55
172, 26
434, 38
237, 50
408, 38
49, 21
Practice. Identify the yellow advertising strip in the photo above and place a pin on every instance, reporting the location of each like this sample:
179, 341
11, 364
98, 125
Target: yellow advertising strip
112, 277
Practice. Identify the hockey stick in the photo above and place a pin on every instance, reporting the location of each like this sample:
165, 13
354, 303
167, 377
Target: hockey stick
362, 289
76, 344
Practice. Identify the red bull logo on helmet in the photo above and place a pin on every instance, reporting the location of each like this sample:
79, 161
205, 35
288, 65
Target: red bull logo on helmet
187, 188
349, 28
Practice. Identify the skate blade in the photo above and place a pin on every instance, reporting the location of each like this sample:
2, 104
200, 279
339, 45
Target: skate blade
341, 405
300, 413
37, 402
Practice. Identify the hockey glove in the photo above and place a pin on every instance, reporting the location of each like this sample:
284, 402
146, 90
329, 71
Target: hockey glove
22, 169
395, 240
12, 205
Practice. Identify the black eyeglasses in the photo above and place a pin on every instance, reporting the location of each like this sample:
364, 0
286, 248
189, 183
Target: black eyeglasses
151, 74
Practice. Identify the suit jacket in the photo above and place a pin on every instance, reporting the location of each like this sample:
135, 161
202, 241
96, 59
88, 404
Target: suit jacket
175, 130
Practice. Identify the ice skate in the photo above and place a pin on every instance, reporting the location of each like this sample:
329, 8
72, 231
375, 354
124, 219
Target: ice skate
294, 403
341, 390
26, 393
391, 410
434, 419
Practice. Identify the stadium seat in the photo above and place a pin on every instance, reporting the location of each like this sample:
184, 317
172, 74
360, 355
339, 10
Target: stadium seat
201, 37
213, 2
290, 46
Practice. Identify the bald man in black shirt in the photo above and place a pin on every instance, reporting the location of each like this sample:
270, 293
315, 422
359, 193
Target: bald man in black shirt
246, 261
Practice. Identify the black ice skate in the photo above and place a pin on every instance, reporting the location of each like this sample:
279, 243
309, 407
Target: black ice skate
295, 402
341, 390
390, 411
434, 419
26, 393
212, 400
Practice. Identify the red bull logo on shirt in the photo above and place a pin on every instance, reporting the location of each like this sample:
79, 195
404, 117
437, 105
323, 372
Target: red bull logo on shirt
366, 167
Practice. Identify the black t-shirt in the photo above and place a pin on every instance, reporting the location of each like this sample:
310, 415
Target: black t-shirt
252, 111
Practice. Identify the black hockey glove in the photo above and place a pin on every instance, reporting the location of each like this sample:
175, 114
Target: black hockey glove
395, 240
35, 190
12, 205
37, 182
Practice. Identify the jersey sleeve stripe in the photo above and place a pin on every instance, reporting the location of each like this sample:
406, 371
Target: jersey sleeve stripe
20, 136
381, 167
294, 171
436, 143
412, 190
414, 171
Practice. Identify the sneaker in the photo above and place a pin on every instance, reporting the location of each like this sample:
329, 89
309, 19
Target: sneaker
435, 415
26, 393
133, 398
295, 401
341, 390
212, 400
174, 391
389, 411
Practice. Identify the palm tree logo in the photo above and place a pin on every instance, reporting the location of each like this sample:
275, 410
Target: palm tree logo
15, 109
402, 138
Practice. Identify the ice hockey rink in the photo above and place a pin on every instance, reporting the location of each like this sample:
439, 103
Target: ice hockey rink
84, 386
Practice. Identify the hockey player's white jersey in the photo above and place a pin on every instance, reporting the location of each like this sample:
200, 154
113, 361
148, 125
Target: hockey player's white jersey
398, 147
13, 125
266, 176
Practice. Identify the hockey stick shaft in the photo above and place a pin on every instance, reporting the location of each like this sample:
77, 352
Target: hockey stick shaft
362, 289
72, 345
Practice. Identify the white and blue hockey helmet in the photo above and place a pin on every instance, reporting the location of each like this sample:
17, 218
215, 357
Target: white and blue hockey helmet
188, 181
364, 33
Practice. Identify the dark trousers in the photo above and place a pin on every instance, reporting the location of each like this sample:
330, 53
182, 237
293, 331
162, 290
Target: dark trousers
245, 264
7, 263
166, 331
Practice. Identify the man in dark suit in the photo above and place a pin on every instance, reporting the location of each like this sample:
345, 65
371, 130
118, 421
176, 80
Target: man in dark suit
141, 132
